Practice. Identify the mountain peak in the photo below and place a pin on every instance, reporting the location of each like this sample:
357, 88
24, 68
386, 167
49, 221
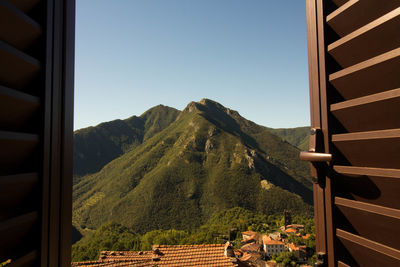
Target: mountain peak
207, 102
208, 105
199, 162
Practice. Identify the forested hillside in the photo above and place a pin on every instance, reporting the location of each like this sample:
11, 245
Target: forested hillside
115, 237
96, 146
178, 172
298, 136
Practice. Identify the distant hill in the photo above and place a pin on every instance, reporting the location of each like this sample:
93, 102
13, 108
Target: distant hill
94, 147
179, 172
298, 137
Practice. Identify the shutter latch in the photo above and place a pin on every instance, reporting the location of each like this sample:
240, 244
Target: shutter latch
316, 145
314, 155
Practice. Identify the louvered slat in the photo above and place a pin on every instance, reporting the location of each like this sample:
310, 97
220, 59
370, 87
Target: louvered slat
362, 217
372, 76
356, 13
338, 3
342, 264
371, 185
18, 194
378, 34
360, 114
28, 30
17, 110
379, 149
17, 69
26, 260
24, 5
366, 252
17, 150
15, 231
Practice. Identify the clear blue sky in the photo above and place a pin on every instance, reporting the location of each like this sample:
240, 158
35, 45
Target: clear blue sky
249, 55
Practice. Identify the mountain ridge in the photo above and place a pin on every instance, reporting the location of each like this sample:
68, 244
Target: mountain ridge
96, 146
207, 159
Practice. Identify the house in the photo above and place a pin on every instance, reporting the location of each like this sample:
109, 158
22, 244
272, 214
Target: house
272, 246
307, 236
298, 251
290, 231
275, 235
249, 236
251, 248
169, 255
271, 264
298, 227
253, 259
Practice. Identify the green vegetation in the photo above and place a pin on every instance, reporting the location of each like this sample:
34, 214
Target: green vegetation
207, 160
298, 137
285, 259
112, 236
94, 147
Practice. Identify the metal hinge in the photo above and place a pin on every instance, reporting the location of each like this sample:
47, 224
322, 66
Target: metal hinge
321, 260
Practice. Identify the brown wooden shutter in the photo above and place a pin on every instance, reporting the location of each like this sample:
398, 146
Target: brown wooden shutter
354, 60
36, 100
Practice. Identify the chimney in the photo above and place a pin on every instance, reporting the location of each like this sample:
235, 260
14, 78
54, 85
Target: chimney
156, 251
228, 250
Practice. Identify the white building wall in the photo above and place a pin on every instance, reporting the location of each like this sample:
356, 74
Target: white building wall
274, 249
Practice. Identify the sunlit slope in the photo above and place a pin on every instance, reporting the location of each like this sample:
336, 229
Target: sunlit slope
298, 136
96, 146
207, 160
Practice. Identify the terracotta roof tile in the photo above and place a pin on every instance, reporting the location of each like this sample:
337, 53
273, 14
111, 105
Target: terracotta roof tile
293, 247
266, 238
295, 226
290, 230
250, 233
307, 236
272, 242
251, 257
167, 255
252, 247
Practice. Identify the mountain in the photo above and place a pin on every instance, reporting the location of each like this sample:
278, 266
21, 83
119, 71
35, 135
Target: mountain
298, 136
94, 147
206, 160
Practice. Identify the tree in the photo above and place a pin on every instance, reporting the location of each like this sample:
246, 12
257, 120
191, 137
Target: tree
110, 236
286, 259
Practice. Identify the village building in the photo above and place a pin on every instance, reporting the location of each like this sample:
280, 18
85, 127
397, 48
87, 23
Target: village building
297, 227
290, 231
275, 236
272, 246
253, 259
251, 248
306, 236
249, 236
298, 251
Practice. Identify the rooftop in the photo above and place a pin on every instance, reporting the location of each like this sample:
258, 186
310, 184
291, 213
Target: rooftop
267, 240
290, 230
250, 233
251, 247
165, 255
